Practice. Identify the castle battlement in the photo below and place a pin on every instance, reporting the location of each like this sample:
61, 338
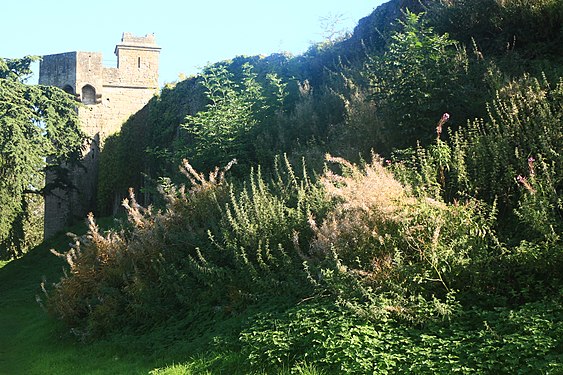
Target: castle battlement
147, 40
110, 95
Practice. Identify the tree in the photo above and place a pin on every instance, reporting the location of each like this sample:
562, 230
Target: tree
236, 109
39, 130
416, 80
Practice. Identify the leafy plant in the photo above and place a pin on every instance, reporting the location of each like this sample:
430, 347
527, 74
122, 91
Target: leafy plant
224, 130
217, 244
381, 240
478, 341
524, 121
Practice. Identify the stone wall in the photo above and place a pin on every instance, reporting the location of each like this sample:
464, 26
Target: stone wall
58, 70
110, 95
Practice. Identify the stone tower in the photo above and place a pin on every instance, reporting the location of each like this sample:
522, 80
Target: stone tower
109, 96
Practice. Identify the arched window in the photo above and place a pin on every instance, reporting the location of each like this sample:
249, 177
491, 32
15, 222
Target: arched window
88, 94
68, 89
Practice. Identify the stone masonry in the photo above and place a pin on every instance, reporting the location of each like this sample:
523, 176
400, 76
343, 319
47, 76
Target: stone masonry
109, 96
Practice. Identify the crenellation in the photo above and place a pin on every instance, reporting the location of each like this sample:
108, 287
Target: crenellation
110, 95
148, 40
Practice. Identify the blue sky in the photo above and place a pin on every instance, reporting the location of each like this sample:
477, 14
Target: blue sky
191, 33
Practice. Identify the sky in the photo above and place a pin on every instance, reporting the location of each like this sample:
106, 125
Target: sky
190, 33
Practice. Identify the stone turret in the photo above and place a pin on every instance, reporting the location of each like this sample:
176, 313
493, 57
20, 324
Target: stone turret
109, 95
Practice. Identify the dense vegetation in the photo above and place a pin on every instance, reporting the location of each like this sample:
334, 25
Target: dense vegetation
39, 130
430, 244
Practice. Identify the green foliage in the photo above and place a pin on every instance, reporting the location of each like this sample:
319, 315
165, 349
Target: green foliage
531, 28
503, 341
216, 244
524, 122
416, 80
381, 240
221, 132
511, 160
236, 108
39, 130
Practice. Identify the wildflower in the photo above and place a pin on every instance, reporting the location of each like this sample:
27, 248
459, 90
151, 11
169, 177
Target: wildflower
525, 183
445, 117
531, 161
387, 162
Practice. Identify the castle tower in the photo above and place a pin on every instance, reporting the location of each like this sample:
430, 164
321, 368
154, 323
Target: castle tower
109, 96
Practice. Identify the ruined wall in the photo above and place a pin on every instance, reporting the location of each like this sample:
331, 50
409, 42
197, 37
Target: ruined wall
109, 96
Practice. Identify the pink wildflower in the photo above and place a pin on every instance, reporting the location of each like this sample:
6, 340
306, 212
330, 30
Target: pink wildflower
445, 117
525, 183
531, 161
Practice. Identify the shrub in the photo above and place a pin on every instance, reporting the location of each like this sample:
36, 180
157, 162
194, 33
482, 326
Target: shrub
133, 277
418, 77
255, 253
218, 244
382, 241
524, 121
